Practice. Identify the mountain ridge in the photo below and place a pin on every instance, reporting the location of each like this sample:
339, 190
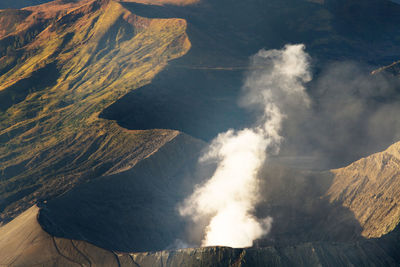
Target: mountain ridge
94, 97
370, 188
64, 251
42, 133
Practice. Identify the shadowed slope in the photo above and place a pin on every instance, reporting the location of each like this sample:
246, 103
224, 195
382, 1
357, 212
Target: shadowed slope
51, 137
24, 243
198, 93
134, 210
51, 140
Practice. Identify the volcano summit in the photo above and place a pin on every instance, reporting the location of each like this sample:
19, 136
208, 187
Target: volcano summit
144, 132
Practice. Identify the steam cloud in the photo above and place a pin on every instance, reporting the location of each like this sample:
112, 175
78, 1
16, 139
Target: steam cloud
229, 197
353, 115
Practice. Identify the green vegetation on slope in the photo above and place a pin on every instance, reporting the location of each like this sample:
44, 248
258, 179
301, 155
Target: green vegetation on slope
75, 59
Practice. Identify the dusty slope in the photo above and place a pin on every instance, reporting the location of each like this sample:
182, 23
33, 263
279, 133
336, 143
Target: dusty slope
361, 200
23, 242
61, 65
370, 188
144, 197
144, 200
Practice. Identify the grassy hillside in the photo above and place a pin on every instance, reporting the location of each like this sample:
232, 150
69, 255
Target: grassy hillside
60, 67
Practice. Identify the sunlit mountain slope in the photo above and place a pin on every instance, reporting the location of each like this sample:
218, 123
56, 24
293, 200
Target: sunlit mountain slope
61, 65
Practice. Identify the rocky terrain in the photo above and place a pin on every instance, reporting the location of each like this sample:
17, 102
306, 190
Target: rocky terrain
58, 70
106, 105
23, 241
198, 93
40, 248
369, 188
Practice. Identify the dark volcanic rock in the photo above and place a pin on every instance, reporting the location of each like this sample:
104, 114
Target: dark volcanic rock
134, 210
23, 243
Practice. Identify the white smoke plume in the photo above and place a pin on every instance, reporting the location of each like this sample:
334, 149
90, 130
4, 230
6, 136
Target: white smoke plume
230, 196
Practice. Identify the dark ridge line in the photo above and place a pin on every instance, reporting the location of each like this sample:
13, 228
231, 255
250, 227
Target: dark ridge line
161, 260
134, 262
80, 252
239, 260
62, 255
117, 258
